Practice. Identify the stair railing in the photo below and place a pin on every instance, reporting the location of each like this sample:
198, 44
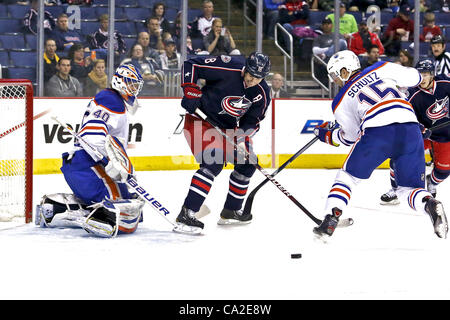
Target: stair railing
286, 55
322, 86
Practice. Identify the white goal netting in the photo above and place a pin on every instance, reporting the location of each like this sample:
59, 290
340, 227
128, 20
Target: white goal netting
15, 133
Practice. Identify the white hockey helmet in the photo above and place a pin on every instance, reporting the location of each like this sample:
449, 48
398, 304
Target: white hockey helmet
127, 80
343, 59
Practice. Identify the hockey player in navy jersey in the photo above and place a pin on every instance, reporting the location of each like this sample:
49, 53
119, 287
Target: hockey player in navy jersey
430, 101
235, 97
377, 121
101, 202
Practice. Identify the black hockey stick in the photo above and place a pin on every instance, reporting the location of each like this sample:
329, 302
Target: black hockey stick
440, 126
345, 222
251, 196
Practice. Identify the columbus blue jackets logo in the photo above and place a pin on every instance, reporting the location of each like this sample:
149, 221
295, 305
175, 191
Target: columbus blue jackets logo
438, 110
235, 106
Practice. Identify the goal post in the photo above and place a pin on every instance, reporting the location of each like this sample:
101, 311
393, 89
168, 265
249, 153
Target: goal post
16, 150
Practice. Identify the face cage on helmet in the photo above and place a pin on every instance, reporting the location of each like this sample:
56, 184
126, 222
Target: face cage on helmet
133, 87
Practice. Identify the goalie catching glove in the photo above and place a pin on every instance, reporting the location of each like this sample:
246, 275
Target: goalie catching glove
325, 133
119, 166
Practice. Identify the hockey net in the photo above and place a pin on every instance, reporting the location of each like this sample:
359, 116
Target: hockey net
16, 150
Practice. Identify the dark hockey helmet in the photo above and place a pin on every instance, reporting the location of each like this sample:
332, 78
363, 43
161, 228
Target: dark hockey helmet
425, 65
437, 39
258, 65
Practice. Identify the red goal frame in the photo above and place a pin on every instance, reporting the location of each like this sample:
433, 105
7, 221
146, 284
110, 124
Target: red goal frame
28, 123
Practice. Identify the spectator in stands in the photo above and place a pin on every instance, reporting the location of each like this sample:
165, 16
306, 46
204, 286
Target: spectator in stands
400, 28
347, 22
219, 40
144, 40
64, 37
323, 45
62, 84
170, 59
430, 29
99, 39
271, 16
31, 18
292, 14
276, 90
51, 59
439, 5
80, 65
96, 80
156, 36
202, 25
372, 57
405, 58
360, 42
158, 11
441, 57
153, 77
322, 5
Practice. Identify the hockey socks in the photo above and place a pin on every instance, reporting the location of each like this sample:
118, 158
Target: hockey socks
200, 185
237, 191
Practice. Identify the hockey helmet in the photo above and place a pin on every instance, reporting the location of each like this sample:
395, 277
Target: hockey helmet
258, 64
425, 65
437, 39
345, 59
127, 80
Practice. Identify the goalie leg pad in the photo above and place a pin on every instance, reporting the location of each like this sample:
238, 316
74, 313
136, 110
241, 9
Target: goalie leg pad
103, 220
130, 214
60, 210
119, 165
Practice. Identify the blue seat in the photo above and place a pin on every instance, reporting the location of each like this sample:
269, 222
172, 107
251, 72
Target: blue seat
126, 3
88, 13
17, 11
22, 73
4, 58
129, 42
137, 13
171, 14
89, 27
173, 3
101, 2
119, 12
442, 18
193, 13
3, 11
23, 58
12, 41
31, 41
316, 17
11, 25
125, 27
385, 17
197, 43
146, 3
55, 10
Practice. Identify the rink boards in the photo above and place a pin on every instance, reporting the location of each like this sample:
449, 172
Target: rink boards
157, 141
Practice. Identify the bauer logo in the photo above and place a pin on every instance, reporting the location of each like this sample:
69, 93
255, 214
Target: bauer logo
310, 125
56, 133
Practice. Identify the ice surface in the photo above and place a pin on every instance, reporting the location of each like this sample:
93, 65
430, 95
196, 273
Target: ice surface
389, 253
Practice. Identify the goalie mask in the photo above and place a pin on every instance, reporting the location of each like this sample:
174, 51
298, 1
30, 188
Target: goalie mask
345, 59
128, 81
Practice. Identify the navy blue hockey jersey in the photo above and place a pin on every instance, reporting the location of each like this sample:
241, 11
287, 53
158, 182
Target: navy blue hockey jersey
432, 107
225, 98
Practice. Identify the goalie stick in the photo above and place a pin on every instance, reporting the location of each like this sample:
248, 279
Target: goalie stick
344, 223
131, 181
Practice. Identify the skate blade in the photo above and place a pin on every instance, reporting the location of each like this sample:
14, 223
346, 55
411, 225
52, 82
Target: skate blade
441, 229
390, 203
345, 223
182, 228
231, 222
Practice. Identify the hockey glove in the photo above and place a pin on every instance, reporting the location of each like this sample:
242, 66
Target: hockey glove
325, 133
426, 133
119, 166
192, 95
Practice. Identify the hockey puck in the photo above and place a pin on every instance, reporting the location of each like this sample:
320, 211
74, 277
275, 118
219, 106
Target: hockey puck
296, 255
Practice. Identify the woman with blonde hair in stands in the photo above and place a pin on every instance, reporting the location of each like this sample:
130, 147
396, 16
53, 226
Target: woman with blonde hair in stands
97, 80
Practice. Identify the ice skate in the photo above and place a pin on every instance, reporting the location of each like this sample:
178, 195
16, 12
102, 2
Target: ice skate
186, 222
431, 187
436, 211
230, 217
389, 198
329, 224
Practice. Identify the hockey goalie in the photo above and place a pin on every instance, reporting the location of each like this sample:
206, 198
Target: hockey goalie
101, 203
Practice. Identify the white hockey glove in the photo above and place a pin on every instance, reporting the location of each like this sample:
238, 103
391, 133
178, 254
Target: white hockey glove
119, 166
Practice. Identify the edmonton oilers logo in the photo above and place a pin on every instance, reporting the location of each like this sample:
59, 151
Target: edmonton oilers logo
438, 110
235, 106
